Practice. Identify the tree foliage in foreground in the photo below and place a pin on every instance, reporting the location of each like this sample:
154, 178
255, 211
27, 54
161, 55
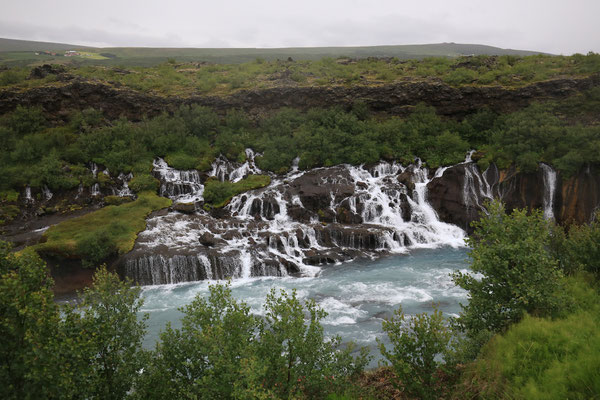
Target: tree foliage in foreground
93, 349
416, 342
513, 272
223, 351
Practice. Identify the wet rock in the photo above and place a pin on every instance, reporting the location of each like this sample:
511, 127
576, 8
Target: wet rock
320, 259
345, 215
316, 187
206, 239
299, 213
407, 179
265, 207
231, 234
578, 196
186, 208
445, 195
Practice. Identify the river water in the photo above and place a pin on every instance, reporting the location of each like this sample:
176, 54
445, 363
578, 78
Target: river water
357, 295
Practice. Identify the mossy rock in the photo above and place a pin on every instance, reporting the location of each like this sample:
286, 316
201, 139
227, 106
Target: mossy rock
186, 208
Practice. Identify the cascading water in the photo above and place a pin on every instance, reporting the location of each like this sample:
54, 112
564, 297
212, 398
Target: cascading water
249, 167
476, 188
28, 198
301, 220
47, 193
124, 191
180, 186
549, 190
95, 191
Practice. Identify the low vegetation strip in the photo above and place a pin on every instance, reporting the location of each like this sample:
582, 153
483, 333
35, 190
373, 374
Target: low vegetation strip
98, 235
186, 79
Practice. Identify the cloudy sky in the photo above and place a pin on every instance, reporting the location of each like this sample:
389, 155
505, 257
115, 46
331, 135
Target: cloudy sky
556, 26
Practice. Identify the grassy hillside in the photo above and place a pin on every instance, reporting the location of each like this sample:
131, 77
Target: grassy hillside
21, 52
30, 45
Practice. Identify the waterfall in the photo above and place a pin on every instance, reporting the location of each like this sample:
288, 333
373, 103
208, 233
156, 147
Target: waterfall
28, 198
476, 189
249, 167
47, 193
124, 191
277, 230
549, 190
79, 191
94, 169
180, 186
96, 190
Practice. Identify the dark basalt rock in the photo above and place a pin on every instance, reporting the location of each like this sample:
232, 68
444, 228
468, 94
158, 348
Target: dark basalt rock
186, 208
43, 71
445, 195
208, 240
407, 179
575, 199
394, 99
578, 196
314, 188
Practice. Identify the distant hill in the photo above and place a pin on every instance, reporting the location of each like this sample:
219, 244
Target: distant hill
15, 51
30, 45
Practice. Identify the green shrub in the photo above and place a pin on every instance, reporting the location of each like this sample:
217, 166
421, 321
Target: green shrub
9, 196
95, 246
181, 161
460, 76
581, 248
416, 342
8, 213
27, 326
541, 359
12, 76
518, 274
143, 183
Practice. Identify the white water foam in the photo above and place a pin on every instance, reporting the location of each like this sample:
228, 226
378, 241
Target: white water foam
549, 190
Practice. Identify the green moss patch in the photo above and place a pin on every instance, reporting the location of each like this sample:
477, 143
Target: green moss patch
218, 194
116, 200
95, 236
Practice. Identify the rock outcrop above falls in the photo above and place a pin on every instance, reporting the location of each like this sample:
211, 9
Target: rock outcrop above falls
394, 99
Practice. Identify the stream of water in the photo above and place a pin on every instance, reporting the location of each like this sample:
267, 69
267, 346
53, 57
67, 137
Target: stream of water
358, 295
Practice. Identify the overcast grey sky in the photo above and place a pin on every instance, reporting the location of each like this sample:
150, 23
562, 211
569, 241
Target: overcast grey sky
545, 25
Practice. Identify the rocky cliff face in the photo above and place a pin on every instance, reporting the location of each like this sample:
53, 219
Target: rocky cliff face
578, 197
393, 99
459, 194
